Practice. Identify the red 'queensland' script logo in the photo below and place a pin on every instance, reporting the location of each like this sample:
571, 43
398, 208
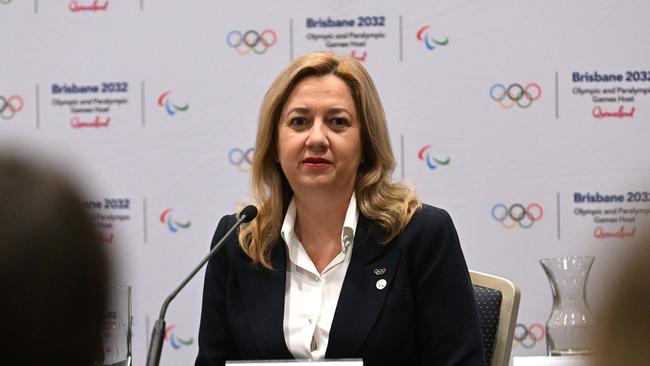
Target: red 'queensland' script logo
599, 113
601, 233
78, 6
359, 56
107, 238
75, 122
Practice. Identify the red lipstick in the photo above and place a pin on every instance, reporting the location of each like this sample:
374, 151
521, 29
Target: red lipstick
314, 162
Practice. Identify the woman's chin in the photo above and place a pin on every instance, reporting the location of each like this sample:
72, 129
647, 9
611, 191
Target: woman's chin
327, 186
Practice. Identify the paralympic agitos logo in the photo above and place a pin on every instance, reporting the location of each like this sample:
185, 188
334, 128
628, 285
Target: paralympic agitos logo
173, 225
430, 42
175, 341
515, 94
432, 162
251, 40
164, 101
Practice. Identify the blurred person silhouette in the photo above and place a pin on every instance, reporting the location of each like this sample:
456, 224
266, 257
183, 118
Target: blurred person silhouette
53, 270
622, 339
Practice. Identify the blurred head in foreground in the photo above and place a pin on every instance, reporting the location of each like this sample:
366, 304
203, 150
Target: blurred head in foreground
622, 339
53, 270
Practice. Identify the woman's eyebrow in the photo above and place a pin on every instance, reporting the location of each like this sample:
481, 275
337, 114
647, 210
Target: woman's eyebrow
329, 112
337, 110
299, 110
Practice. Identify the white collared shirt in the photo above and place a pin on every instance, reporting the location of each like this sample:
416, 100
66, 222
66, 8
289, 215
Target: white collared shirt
310, 297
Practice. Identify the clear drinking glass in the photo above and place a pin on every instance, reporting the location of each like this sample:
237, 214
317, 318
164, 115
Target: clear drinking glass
571, 322
117, 327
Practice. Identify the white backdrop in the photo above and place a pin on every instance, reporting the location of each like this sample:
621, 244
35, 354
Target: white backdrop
153, 106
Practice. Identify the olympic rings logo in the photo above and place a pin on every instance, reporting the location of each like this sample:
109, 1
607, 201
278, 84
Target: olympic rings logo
515, 93
429, 42
251, 41
528, 336
243, 160
517, 214
10, 106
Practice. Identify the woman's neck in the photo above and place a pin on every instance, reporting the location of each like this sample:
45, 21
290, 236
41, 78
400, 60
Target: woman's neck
319, 221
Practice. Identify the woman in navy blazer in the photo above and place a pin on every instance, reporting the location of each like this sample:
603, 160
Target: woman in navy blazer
406, 298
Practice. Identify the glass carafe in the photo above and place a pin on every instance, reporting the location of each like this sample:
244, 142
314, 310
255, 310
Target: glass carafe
571, 321
117, 327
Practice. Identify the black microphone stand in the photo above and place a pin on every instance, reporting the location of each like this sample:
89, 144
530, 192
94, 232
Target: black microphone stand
158, 332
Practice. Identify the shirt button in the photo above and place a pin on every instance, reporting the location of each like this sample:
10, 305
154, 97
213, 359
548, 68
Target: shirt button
310, 320
381, 284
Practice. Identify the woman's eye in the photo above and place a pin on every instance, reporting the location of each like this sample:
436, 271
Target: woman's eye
298, 121
340, 122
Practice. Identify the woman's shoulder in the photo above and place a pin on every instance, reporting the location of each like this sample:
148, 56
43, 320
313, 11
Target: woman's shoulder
227, 219
429, 237
430, 224
226, 223
430, 216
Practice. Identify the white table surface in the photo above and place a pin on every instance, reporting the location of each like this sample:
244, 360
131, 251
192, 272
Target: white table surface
352, 362
550, 361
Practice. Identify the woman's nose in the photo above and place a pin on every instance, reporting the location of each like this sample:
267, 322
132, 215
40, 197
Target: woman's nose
317, 138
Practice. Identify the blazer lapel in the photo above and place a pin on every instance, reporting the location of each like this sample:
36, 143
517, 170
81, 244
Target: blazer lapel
263, 296
361, 298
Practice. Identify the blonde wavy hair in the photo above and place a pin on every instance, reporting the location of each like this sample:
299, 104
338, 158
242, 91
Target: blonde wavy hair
389, 205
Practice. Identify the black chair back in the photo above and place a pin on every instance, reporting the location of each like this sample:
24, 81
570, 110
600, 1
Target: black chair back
489, 306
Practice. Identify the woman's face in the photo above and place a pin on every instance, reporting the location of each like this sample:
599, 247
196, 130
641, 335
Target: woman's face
319, 136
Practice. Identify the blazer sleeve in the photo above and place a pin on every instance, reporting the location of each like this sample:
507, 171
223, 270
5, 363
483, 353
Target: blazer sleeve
446, 317
215, 340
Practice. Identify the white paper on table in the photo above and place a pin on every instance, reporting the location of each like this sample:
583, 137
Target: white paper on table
354, 362
551, 361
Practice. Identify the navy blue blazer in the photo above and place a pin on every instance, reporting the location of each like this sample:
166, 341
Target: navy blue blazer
426, 315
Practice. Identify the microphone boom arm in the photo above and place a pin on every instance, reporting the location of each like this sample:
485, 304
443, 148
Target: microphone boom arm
157, 334
163, 308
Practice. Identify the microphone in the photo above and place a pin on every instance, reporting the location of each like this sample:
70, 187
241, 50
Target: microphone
158, 333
